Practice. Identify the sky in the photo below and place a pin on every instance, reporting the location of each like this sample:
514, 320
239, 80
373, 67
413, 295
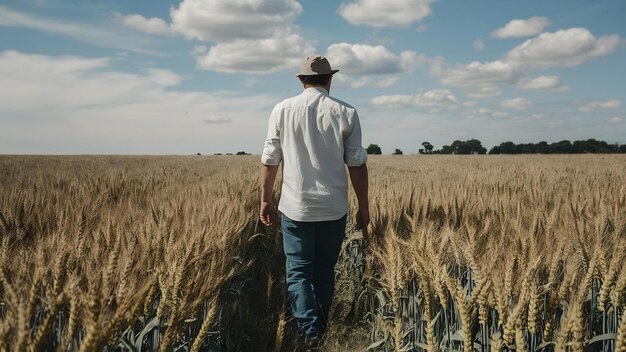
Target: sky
202, 76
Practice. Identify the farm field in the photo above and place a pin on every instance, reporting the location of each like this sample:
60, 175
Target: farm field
465, 253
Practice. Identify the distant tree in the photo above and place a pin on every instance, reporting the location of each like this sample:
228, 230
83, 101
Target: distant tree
594, 146
622, 148
217, 154
472, 146
428, 148
229, 153
505, 148
614, 148
397, 152
580, 147
446, 149
373, 149
542, 147
525, 148
495, 150
561, 147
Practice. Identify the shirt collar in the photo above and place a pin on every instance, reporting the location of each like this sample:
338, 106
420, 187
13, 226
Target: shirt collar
320, 90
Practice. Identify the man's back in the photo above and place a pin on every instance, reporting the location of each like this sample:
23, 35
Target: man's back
315, 135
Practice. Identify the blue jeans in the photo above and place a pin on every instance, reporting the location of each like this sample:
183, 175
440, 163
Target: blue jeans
311, 250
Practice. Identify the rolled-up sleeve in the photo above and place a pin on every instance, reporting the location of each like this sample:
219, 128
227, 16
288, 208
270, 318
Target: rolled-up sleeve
353, 152
272, 151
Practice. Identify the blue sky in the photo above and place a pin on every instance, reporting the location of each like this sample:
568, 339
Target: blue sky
180, 77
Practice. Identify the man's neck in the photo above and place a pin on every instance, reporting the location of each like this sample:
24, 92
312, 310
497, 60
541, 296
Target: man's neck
316, 86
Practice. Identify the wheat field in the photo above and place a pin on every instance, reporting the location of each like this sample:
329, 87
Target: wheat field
165, 253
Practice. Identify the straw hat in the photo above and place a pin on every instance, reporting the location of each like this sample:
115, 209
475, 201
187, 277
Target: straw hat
314, 65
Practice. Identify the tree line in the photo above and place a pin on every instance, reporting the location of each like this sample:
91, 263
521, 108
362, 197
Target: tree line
474, 146
562, 147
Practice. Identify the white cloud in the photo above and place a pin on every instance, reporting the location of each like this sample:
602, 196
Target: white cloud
108, 38
557, 123
485, 91
216, 120
163, 78
99, 109
516, 104
411, 59
394, 100
363, 65
543, 83
228, 20
477, 73
479, 44
530, 118
384, 82
152, 25
485, 112
199, 49
341, 80
249, 36
459, 134
256, 56
522, 28
616, 120
600, 105
363, 59
563, 48
469, 103
432, 98
367, 59
376, 13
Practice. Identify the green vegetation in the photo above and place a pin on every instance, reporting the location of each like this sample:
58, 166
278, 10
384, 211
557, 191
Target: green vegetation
472, 146
374, 149
427, 148
562, 147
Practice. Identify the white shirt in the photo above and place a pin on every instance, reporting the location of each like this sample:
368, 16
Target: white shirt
314, 135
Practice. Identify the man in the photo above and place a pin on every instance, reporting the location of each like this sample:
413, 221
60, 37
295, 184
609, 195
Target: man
315, 136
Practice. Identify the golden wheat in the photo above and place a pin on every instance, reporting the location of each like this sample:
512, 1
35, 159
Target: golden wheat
102, 251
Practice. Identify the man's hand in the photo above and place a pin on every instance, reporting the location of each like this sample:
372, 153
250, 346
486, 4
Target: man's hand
359, 178
362, 220
268, 214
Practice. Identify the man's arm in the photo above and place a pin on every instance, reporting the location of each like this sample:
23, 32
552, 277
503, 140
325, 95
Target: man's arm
268, 213
271, 158
359, 178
